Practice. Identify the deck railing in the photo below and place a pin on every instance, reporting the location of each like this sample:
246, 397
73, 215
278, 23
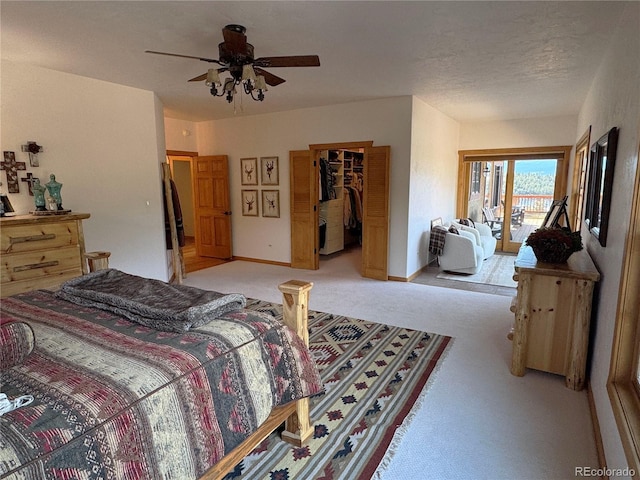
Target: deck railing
533, 203
528, 214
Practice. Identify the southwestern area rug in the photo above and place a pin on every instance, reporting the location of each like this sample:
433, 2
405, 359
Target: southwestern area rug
373, 376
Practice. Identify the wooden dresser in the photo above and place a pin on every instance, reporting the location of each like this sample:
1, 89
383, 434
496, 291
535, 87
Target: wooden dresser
553, 315
40, 251
333, 212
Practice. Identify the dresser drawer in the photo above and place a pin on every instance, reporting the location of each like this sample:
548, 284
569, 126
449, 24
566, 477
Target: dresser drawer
335, 223
332, 207
51, 282
332, 246
28, 238
29, 265
335, 235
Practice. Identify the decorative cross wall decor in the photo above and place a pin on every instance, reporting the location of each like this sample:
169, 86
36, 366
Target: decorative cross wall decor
10, 166
30, 179
34, 149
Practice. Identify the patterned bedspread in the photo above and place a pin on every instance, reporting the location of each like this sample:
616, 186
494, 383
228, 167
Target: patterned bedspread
117, 400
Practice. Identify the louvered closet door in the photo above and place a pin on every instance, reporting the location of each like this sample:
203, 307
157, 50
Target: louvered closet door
375, 221
303, 178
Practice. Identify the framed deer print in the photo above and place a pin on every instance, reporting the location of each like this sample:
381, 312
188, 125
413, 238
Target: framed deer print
249, 203
249, 171
269, 171
271, 203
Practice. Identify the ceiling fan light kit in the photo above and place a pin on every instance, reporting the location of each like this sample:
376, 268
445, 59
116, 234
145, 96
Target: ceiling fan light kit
236, 57
252, 84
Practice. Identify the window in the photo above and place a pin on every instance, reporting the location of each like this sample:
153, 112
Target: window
498, 184
476, 173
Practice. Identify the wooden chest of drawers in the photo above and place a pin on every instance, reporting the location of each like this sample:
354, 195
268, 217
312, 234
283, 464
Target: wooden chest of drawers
333, 212
40, 251
553, 315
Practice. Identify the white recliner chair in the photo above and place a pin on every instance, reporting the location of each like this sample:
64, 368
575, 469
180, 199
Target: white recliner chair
464, 252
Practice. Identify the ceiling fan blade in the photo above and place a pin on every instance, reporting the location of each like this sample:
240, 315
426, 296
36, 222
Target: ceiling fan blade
199, 78
291, 61
270, 78
210, 60
202, 77
235, 38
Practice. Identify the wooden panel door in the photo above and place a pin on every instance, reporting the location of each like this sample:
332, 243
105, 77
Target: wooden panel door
213, 211
375, 216
303, 177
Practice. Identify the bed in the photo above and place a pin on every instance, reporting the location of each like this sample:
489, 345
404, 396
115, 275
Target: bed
120, 392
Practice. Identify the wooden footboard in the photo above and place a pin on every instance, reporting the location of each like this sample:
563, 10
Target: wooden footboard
295, 301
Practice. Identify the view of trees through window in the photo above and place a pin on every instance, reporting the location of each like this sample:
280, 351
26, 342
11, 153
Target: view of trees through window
534, 177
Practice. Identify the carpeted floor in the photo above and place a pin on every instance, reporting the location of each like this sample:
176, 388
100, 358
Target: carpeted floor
374, 375
479, 421
496, 270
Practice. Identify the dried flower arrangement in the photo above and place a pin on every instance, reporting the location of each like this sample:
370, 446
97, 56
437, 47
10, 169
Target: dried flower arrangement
553, 244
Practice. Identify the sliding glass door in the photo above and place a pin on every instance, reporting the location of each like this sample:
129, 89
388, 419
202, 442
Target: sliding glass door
518, 194
511, 190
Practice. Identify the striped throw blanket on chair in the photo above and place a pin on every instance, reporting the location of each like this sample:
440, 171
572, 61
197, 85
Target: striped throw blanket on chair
436, 239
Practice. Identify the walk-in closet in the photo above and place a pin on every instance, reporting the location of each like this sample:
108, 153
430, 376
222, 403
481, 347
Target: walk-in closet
340, 213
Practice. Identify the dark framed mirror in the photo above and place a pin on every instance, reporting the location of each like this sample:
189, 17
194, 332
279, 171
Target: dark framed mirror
602, 159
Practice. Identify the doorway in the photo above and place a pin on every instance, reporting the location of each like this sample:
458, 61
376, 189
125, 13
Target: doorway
183, 165
341, 189
305, 167
511, 190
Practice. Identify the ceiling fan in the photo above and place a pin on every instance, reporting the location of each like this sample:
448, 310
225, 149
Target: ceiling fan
236, 57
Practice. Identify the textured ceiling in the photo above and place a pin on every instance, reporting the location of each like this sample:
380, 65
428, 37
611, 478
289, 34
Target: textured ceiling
471, 60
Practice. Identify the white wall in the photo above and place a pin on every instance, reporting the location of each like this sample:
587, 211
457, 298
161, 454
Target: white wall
104, 142
613, 101
525, 132
180, 135
433, 178
386, 122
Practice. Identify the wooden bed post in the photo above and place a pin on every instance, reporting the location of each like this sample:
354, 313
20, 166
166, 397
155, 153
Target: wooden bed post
97, 260
295, 301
